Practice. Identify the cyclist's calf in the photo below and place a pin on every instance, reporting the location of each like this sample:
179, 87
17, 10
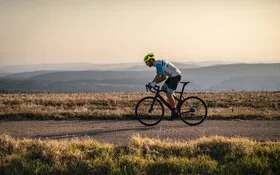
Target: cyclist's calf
164, 89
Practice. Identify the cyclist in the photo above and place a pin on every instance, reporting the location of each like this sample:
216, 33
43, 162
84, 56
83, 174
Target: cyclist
165, 69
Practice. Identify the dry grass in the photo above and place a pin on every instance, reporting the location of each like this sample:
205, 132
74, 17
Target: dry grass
222, 105
215, 155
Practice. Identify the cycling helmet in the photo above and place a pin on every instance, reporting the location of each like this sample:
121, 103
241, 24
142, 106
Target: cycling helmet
148, 57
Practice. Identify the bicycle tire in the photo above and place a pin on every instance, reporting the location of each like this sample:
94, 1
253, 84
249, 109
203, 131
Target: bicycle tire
194, 110
145, 114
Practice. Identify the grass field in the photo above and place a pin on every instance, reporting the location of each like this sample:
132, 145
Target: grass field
222, 105
216, 155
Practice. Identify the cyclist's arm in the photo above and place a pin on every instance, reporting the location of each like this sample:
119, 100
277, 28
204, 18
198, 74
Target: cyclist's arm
160, 73
159, 78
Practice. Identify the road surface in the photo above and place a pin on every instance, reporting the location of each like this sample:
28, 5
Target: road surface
121, 131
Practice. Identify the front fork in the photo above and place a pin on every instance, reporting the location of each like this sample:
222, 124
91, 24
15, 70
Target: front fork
152, 105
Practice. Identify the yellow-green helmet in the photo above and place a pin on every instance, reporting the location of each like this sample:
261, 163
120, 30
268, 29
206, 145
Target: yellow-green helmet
148, 57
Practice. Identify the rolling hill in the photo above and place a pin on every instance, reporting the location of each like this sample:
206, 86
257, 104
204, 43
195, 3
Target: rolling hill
84, 67
250, 83
219, 77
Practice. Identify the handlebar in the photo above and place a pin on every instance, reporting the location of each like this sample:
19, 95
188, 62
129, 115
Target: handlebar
156, 89
152, 89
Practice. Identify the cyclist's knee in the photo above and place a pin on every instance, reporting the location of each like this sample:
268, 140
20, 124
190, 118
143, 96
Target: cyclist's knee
169, 94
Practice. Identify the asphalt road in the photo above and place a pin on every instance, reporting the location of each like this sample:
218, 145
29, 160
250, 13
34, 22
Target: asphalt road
120, 132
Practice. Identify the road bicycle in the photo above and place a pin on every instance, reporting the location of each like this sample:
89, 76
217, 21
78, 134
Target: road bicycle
150, 110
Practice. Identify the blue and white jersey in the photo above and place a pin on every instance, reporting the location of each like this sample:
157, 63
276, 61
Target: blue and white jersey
165, 67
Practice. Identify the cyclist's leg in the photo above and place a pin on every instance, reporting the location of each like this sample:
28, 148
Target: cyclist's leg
169, 93
164, 89
165, 85
174, 81
171, 99
172, 86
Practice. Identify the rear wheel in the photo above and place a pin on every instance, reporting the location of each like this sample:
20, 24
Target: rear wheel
193, 110
149, 113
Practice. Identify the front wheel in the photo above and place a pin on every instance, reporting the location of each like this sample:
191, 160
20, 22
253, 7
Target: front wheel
193, 110
149, 111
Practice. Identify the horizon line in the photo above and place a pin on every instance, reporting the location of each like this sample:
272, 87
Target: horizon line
139, 62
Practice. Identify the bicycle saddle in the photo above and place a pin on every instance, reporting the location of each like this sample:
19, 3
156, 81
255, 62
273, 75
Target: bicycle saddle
184, 83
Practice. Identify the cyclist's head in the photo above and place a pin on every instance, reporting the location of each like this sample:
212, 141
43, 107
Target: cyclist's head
149, 56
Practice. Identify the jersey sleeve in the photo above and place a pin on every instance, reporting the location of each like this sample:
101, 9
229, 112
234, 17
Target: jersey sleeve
160, 69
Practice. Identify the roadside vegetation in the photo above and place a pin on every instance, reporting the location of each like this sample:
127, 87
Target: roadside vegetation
222, 105
215, 155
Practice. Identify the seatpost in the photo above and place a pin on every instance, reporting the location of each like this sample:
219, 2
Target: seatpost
183, 88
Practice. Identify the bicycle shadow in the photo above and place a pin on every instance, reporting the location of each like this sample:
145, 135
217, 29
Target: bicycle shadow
99, 132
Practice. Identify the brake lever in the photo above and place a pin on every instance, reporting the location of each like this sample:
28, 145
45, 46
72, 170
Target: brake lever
152, 89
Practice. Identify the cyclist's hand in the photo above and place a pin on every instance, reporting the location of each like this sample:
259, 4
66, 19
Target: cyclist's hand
152, 84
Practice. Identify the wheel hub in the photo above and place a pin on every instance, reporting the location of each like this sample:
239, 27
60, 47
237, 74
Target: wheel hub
192, 110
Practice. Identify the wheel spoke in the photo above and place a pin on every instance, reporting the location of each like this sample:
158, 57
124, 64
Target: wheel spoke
193, 110
149, 113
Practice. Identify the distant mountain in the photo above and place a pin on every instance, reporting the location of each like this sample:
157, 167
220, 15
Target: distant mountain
219, 77
25, 75
208, 77
210, 63
92, 75
46, 67
122, 85
84, 67
143, 67
3, 74
65, 67
250, 83
68, 86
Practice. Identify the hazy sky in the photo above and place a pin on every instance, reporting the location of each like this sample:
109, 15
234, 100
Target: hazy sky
112, 31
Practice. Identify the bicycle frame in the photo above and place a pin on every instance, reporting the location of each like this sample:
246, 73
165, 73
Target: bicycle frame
185, 108
157, 92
